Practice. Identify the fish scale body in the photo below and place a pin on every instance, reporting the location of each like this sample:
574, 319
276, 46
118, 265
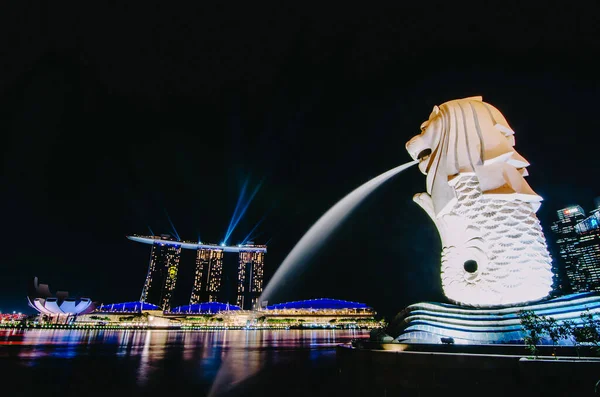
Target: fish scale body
505, 239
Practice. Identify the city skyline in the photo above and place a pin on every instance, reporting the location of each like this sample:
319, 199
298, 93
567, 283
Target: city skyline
560, 262
162, 128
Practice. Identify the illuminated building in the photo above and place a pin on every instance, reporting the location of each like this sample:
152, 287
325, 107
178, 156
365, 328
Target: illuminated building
59, 306
578, 241
243, 287
126, 307
205, 308
320, 306
312, 313
162, 272
250, 276
208, 277
8, 318
319, 313
566, 241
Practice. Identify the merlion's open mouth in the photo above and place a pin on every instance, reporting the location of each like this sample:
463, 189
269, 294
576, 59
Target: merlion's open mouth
423, 155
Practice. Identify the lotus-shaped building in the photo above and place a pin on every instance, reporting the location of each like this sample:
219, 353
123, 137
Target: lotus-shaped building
41, 299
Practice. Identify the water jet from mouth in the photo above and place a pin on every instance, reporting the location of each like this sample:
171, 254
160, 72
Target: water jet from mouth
315, 237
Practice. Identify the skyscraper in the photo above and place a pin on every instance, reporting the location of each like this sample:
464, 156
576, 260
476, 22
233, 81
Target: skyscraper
219, 275
250, 277
588, 232
578, 240
162, 272
208, 277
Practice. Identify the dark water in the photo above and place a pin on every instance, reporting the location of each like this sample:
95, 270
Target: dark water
153, 363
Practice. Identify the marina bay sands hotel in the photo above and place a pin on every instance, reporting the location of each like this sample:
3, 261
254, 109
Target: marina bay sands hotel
209, 275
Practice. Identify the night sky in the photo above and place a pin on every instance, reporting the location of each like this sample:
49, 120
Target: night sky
121, 119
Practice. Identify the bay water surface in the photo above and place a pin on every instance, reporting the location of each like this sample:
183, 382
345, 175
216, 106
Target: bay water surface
171, 362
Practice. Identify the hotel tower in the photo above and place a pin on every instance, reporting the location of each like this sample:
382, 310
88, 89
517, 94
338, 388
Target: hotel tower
210, 283
250, 278
208, 276
162, 272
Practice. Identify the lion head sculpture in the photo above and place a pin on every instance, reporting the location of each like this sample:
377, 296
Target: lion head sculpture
469, 136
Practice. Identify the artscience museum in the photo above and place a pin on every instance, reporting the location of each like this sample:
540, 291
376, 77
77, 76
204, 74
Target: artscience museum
58, 307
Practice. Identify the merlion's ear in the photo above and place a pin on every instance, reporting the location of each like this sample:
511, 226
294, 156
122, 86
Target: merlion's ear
434, 112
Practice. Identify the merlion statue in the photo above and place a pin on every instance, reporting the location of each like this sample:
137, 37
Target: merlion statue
493, 249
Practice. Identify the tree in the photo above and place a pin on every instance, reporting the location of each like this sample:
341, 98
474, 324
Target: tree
555, 330
585, 333
589, 331
534, 328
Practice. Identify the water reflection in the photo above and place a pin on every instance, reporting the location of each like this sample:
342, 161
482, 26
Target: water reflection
164, 362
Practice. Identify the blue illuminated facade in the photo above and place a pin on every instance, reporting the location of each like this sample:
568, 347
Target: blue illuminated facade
318, 304
127, 307
205, 308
